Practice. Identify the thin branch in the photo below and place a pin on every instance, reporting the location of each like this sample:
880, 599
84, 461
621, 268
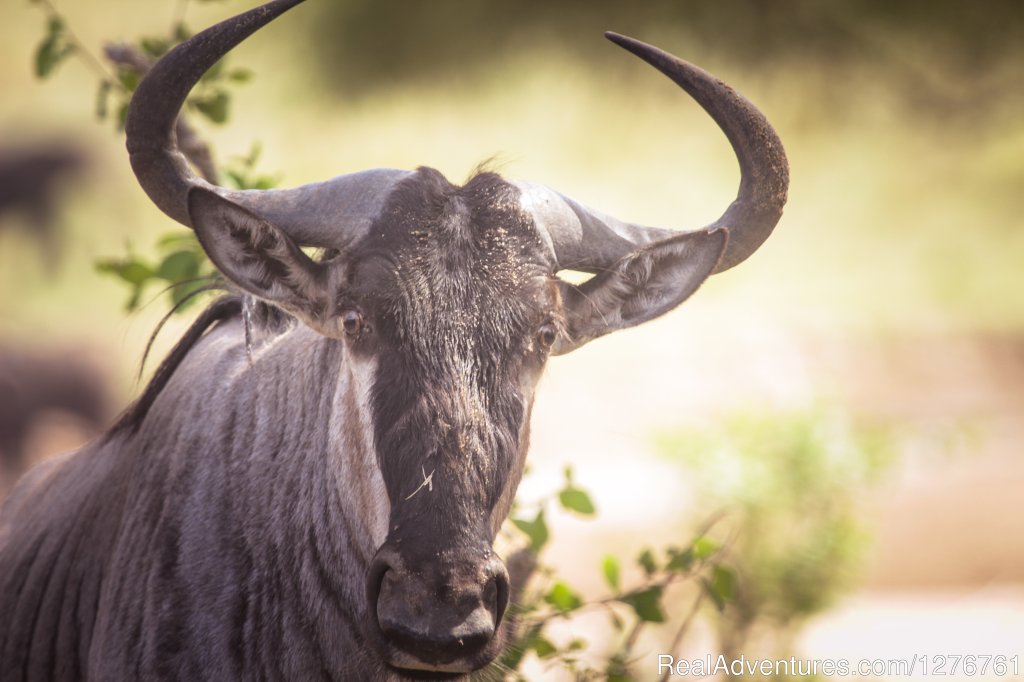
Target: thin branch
634, 634
123, 54
684, 626
73, 39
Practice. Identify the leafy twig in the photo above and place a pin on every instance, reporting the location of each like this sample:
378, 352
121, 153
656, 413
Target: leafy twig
72, 39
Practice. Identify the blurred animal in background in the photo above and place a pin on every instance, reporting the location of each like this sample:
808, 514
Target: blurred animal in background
32, 178
311, 485
35, 384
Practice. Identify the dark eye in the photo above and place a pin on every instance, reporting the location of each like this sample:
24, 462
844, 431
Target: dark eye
352, 322
546, 335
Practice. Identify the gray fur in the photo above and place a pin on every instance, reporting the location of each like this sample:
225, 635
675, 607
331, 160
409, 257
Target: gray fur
165, 554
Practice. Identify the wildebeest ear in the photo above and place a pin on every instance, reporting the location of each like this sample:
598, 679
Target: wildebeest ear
645, 284
258, 257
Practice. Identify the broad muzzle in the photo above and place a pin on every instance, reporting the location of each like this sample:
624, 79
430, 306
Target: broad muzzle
437, 612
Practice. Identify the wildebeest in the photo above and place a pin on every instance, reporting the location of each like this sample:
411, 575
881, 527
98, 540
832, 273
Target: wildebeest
34, 382
31, 177
310, 486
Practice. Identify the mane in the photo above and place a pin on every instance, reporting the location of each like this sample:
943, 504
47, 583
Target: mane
224, 308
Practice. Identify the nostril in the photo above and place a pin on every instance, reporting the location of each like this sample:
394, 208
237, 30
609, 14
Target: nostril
374, 580
500, 584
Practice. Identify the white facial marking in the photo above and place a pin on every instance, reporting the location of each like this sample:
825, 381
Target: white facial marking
352, 443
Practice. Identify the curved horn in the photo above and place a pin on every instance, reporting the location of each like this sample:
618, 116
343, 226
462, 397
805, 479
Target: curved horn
330, 213
587, 240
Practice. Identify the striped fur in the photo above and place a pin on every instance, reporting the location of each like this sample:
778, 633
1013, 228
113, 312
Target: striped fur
135, 560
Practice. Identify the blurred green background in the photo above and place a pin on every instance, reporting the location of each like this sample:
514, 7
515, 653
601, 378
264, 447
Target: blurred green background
892, 290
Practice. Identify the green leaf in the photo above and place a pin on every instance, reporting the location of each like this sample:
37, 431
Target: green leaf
703, 547
610, 567
563, 598
243, 181
102, 99
213, 107
679, 560
647, 604
155, 47
133, 300
45, 57
263, 182
131, 271
255, 151
721, 586
181, 32
179, 266
239, 180
647, 562
240, 75
536, 530
53, 50
240, 171
129, 78
576, 500
543, 647
122, 114
181, 292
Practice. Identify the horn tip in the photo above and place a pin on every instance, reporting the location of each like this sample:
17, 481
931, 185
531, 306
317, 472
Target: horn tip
619, 39
649, 53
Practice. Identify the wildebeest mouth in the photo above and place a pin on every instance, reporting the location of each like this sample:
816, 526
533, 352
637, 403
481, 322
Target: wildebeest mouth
425, 621
413, 674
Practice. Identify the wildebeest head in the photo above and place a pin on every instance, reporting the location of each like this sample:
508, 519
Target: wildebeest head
447, 301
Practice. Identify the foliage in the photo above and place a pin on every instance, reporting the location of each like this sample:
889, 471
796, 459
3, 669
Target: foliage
790, 483
549, 598
53, 49
181, 267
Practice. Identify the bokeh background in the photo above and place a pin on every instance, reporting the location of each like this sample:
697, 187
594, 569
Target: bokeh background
851, 399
